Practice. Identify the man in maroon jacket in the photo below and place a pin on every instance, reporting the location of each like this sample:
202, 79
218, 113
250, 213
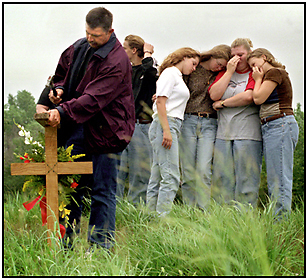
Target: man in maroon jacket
93, 79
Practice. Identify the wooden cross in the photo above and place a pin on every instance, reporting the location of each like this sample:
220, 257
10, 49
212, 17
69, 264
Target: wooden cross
51, 168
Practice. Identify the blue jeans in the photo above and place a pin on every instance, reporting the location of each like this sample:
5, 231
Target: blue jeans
279, 140
103, 189
165, 172
237, 171
197, 141
103, 199
85, 181
136, 161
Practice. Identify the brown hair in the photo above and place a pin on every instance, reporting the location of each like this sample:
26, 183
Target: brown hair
177, 56
99, 17
246, 42
269, 57
220, 51
137, 42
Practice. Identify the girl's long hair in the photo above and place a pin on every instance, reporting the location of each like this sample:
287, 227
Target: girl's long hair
220, 51
269, 57
177, 56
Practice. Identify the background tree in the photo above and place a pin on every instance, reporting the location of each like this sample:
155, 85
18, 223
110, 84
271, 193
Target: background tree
20, 108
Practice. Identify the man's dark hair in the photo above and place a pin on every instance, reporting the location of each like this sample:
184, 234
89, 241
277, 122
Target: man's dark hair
99, 17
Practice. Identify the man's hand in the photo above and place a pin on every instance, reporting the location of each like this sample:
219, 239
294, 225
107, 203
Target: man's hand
56, 99
41, 108
54, 117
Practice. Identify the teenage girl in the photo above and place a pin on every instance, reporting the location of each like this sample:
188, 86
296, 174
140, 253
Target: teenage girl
273, 91
172, 95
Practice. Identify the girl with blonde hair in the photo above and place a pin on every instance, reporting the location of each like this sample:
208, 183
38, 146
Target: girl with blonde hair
238, 148
273, 92
199, 127
171, 98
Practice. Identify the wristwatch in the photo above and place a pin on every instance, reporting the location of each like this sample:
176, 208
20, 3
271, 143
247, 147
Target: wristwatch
222, 104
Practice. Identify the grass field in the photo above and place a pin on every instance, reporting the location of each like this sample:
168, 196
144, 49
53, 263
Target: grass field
221, 242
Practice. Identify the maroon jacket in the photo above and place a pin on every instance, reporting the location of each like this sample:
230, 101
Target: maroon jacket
106, 104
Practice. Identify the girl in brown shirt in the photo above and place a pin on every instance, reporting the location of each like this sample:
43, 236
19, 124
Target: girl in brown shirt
199, 127
273, 92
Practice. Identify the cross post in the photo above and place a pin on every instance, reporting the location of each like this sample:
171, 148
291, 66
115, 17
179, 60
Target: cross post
51, 168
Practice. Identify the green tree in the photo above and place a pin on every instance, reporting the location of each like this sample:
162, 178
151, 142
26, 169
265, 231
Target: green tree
20, 108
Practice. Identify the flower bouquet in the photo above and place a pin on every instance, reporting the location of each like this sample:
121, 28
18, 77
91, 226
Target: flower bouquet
35, 185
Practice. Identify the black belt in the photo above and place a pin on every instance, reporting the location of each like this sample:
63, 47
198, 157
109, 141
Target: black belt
274, 117
142, 121
204, 114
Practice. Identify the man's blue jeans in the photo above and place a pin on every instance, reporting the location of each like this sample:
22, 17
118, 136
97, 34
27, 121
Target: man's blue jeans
165, 173
237, 171
136, 162
103, 189
103, 199
197, 141
76, 203
279, 141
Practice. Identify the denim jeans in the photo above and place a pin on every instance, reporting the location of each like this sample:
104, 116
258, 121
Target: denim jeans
103, 189
279, 140
237, 171
196, 155
165, 172
136, 161
103, 199
85, 181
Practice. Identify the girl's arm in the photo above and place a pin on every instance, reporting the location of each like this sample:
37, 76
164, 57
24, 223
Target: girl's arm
241, 99
261, 90
218, 89
162, 115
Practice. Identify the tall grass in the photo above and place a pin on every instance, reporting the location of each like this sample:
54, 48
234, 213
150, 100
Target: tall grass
223, 241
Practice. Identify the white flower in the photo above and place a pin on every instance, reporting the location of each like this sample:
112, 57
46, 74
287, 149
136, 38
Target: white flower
38, 143
20, 127
28, 140
21, 133
27, 134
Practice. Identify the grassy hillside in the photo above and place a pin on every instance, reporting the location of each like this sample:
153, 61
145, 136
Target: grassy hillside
221, 242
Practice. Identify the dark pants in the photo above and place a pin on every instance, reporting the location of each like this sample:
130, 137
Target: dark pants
103, 189
85, 181
103, 199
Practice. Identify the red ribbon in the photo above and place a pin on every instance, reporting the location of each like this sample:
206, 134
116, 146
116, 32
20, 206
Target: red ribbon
29, 205
62, 230
43, 210
43, 205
